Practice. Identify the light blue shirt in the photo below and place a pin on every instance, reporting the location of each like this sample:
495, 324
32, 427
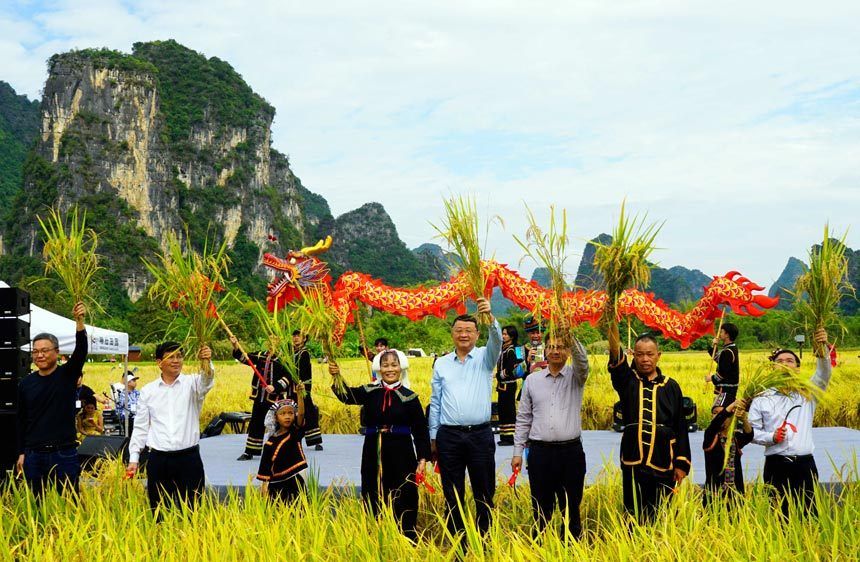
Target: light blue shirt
461, 391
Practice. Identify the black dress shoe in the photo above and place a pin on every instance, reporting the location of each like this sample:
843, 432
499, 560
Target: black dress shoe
245, 457
318, 448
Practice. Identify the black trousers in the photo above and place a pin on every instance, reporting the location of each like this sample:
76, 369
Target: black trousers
473, 451
174, 475
507, 411
644, 491
313, 435
257, 427
398, 478
794, 478
287, 490
557, 474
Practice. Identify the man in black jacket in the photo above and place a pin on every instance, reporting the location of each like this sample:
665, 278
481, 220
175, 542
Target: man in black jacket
655, 448
47, 441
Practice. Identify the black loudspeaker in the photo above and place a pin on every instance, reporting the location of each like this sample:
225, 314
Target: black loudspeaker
14, 332
14, 364
8, 395
691, 414
14, 302
9, 442
101, 447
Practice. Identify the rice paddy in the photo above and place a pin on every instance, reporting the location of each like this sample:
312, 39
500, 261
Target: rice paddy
112, 521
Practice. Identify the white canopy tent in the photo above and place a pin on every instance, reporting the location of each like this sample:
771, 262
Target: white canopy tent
102, 341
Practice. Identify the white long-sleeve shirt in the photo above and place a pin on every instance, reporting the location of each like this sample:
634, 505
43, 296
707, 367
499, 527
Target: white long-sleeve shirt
768, 411
168, 415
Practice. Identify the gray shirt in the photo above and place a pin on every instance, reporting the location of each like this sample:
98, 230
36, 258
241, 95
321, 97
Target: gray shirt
550, 406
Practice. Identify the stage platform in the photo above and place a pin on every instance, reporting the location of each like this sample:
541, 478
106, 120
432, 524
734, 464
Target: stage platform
836, 448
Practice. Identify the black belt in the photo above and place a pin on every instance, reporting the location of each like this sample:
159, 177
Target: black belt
533, 442
52, 448
174, 453
790, 458
468, 428
393, 429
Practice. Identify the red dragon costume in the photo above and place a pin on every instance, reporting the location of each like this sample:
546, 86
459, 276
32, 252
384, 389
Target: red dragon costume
301, 272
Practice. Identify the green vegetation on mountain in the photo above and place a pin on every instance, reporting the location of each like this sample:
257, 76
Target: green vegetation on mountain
19, 125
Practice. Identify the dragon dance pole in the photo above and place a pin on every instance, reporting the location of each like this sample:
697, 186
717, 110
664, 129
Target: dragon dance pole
363, 341
250, 363
717, 336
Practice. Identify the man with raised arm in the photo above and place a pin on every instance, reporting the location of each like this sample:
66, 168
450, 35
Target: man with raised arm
47, 409
168, 422
655, 449
460, 433
549, 423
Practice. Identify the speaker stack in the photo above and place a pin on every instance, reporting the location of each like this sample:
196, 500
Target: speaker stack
14, 364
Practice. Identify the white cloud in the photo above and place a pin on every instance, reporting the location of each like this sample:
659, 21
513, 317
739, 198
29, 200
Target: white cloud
721, 119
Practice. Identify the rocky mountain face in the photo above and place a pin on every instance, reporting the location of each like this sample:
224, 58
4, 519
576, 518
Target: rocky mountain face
786, 281
162, 140
674, 285
366, 240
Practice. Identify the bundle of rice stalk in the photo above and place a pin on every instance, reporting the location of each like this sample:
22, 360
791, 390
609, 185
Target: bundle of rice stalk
71, 254
188, 283
549, 249
623, 263
317, 320
767, 376
819, 290
277, 326
460, 229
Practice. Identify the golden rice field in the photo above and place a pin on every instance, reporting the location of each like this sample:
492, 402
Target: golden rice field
841, 407
111, 520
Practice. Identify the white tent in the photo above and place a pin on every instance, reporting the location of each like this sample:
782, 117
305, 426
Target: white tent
102, 340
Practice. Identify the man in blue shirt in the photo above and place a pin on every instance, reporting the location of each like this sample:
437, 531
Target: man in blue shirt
460, 432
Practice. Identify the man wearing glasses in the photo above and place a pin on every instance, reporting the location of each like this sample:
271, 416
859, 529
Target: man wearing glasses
168, 422
47, 441
460, 432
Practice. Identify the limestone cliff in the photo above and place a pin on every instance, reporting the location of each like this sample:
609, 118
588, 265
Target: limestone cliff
162, 140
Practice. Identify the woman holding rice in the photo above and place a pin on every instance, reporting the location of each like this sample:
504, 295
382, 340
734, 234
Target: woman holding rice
396, 430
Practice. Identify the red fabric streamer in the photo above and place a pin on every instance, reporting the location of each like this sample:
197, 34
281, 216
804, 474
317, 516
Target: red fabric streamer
421, 480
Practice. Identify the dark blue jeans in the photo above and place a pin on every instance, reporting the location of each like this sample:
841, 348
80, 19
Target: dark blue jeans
473, 451
57, 468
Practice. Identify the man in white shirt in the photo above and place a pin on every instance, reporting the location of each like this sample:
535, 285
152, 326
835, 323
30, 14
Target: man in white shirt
783, 424
168, 422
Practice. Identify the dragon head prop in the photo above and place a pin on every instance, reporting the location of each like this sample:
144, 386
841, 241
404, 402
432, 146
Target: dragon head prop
297, 273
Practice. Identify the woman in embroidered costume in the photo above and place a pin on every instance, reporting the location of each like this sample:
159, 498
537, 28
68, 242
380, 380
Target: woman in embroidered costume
283, 458
396, 430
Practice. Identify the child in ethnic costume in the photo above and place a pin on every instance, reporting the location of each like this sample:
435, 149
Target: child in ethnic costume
283, 457
718, 480
396, 429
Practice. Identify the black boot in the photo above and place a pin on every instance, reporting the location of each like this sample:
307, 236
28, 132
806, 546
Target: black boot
245, 457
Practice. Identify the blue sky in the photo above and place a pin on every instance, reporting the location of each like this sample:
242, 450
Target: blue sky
736, 123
